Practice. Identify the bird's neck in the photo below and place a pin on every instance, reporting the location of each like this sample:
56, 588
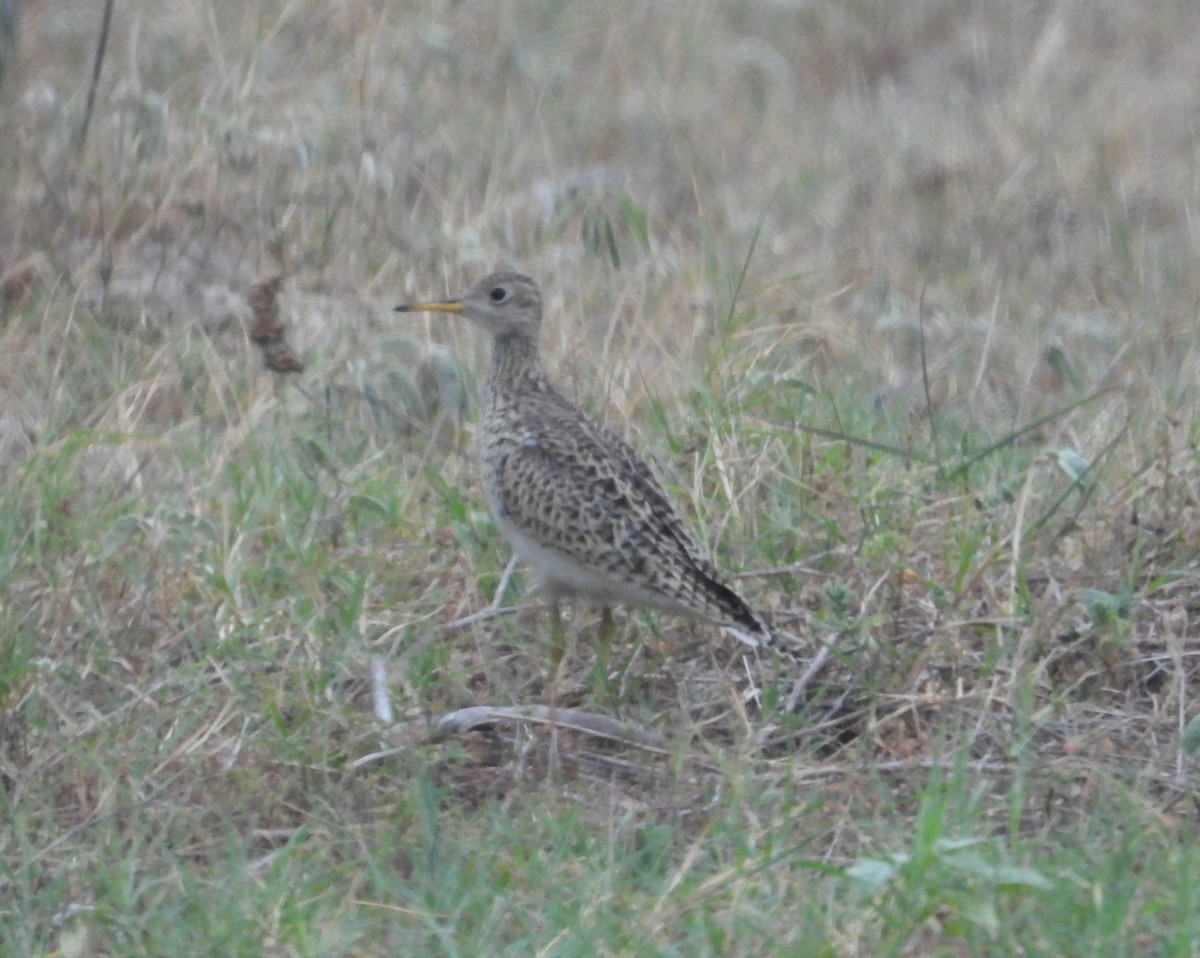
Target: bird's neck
516, 363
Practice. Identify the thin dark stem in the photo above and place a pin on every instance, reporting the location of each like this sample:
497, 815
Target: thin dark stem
101, 46
933, 425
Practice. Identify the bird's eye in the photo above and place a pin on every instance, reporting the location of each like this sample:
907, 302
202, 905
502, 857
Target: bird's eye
499, 294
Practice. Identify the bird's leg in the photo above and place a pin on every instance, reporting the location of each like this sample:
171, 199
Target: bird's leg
558, 648
607, 627
604, 639
560, 644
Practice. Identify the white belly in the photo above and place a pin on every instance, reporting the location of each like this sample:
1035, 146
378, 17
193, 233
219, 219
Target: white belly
562, 576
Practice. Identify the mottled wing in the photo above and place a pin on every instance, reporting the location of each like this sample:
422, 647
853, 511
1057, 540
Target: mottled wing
577, 489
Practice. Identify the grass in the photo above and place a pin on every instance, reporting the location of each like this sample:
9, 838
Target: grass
901, 300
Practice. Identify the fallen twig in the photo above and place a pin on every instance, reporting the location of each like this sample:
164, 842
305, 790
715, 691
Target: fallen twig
473, 717
815, 666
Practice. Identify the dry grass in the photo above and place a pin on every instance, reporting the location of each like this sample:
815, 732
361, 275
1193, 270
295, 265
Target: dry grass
873, 283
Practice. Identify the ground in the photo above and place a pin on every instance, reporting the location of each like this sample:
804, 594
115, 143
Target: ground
901, 301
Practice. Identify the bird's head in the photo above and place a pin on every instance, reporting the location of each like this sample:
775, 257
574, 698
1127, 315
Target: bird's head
505, 304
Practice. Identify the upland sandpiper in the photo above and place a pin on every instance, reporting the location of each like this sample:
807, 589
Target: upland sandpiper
576, 501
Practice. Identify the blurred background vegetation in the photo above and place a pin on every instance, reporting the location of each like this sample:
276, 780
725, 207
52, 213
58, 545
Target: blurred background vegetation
901, 297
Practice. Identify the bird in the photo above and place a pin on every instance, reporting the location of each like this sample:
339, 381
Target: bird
575, 500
